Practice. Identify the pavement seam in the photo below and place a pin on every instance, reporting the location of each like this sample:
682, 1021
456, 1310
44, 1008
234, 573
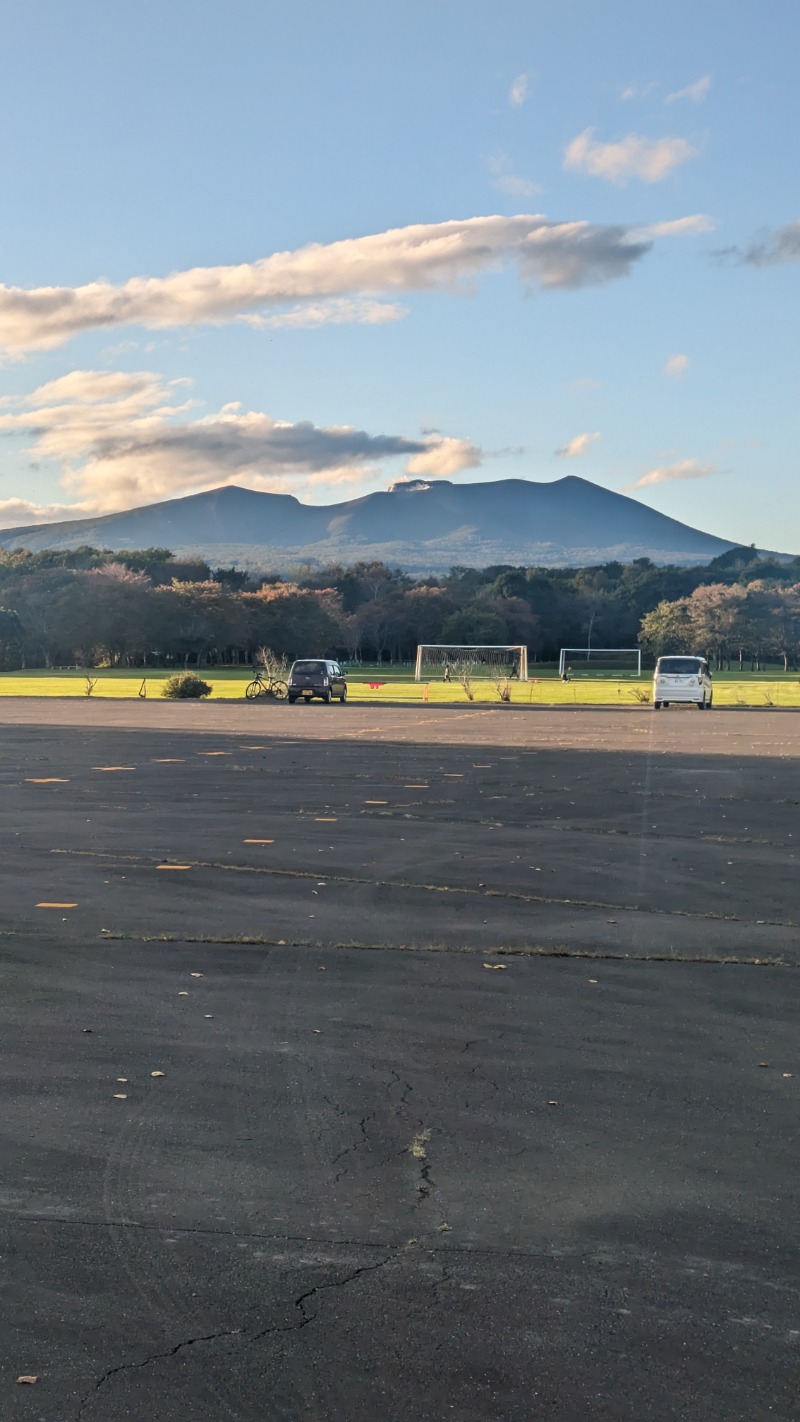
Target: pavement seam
515, 896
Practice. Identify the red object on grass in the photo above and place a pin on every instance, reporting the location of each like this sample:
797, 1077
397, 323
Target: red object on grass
376, 685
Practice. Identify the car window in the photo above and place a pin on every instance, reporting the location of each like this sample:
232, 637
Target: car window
310, 668
680, 666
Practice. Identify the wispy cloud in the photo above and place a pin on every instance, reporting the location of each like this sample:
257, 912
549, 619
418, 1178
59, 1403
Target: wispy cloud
577, 446
441, 255
127, 439
677, 366
651, 159
519, 90
770, 249
668, 473
504, 177
695, 92
630, 92
586, 382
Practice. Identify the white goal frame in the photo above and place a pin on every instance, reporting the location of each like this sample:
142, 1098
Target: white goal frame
583, 658
457, 653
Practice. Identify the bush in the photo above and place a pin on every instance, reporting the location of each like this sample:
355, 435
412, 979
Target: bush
185, 687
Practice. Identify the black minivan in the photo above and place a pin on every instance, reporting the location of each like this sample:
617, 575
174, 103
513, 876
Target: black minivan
317, 678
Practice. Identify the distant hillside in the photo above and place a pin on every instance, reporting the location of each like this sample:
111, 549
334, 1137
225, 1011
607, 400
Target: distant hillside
421, 526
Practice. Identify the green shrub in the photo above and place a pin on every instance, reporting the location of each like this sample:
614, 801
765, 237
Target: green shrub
185, 687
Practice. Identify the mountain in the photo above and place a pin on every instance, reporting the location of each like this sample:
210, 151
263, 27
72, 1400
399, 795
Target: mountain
420, 525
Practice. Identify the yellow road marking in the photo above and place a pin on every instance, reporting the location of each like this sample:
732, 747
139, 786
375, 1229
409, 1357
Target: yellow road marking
174, 866
56, 906
113, 767
46, 780
258, 841
326, 819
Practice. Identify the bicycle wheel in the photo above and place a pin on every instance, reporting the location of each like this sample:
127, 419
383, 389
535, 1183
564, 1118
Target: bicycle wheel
280, 690
253, 688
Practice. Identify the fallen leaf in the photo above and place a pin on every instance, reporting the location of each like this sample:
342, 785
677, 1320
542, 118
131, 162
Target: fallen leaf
786, 1073
156, 1073
208, 1016
592, 980
763, 1064
552, 1103
196, 975
444, 1227
120, 1096
184, 993
28, 1378
496, 965
317, 1031
122, 1078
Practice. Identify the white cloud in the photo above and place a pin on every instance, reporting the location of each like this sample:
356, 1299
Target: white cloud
677, 366
586, 382
577, 446
332, 313
445, 457
518, 92
651, 159
123, 439
696, 91
427, 256
668, 473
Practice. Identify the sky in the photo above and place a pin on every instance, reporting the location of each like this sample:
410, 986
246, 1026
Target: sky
316, 249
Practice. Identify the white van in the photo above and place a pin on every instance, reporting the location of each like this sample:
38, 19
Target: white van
684, 679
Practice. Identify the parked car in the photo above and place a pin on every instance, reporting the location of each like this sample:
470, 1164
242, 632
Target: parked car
317, 678
683, 679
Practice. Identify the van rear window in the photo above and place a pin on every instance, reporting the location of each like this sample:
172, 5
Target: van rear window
679, 666
310, 668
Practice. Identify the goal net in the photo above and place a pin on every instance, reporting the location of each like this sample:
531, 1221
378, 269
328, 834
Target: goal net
612, 662
451, 660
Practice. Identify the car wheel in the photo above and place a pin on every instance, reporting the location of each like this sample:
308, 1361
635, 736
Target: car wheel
665, 704
656, 705
327, 696
343, 696
292, 700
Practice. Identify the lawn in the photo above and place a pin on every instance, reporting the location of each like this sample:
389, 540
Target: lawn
396, 684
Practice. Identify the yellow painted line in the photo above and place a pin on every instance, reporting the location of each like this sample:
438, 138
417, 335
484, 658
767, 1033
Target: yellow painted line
113, 767
416, 787
453, 775
170, 760
326, 819
57, 906
215, 752
376, 802
46, 780
174, 866
258, 841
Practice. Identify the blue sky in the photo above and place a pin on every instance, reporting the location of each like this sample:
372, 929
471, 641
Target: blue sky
629, 314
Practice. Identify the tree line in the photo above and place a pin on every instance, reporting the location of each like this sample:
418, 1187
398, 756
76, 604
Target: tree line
146, 607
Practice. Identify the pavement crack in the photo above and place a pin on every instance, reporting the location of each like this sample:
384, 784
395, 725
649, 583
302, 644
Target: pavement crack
152, 1358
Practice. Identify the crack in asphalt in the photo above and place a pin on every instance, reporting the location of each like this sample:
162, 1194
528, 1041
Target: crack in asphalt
145, 1362
304, 1320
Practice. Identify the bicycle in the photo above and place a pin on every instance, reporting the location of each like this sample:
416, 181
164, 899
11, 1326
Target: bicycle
266, 684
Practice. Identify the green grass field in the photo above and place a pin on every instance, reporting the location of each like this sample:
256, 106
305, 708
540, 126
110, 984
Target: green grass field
396, 684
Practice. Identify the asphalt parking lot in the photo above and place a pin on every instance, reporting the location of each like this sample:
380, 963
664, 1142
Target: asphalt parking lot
359, 1064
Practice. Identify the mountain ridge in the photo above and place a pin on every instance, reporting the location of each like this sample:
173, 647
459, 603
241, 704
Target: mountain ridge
424, 525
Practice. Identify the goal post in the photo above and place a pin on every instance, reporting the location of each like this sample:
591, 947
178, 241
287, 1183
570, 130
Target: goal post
612, 662
433, 659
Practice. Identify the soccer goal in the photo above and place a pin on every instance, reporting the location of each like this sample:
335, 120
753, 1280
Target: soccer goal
612, 662
445, 660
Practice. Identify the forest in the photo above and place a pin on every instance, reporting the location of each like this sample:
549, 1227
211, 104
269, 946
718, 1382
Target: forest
90, 607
